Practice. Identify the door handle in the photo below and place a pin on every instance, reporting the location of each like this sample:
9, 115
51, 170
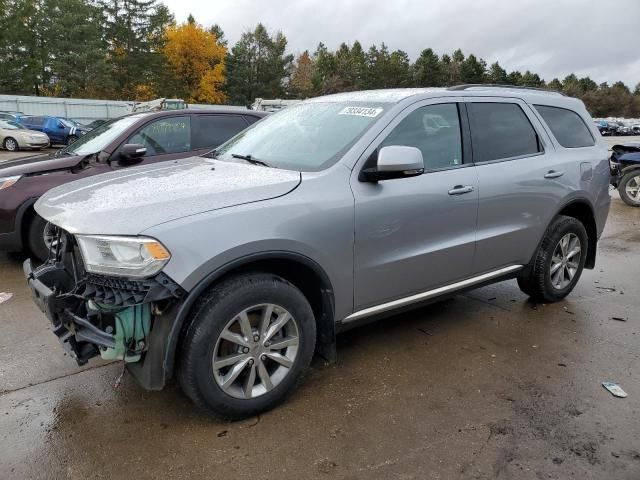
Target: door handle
553, 174
461, 189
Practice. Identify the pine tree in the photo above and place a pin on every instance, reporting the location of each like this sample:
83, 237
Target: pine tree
132, 30
258, 66
301, 85
496, 74
427, 71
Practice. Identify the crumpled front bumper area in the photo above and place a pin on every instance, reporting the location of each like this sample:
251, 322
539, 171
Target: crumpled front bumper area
98, 315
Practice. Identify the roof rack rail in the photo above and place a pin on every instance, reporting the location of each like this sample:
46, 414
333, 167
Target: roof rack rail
497, 85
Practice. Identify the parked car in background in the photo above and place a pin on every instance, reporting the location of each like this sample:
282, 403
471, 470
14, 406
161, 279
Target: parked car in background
96, 123
13, 116
119, 144
230, 270
59, 130
625, 172
603, 127
14, 136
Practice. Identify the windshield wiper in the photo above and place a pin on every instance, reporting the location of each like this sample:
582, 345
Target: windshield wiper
250, 159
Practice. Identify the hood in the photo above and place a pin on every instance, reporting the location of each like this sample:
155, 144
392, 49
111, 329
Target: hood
39, 164
25, 132
130, 201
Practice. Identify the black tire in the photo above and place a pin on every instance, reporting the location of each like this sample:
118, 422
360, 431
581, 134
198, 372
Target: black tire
71, 139
211, 315
535, 279
11, 144
35, 238
634, 176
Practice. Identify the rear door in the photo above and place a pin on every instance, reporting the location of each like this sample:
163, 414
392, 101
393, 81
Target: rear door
415, 234
33, 123
521, 180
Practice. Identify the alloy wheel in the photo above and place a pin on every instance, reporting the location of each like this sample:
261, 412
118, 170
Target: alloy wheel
50, 235
565, 261
633, 188
10, 144
255, 351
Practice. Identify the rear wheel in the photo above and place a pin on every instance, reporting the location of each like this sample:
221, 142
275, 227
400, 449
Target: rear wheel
10, 144
629, 188
248, 347
558, 263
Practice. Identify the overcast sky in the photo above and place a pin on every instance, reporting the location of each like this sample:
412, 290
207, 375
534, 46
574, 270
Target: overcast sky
598, 38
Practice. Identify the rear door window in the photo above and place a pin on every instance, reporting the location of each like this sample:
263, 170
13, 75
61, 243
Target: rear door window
37, 121
209, 131
567, 126
501, 131
165, 135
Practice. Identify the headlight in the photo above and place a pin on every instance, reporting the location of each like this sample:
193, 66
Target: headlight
123, 256
6, 182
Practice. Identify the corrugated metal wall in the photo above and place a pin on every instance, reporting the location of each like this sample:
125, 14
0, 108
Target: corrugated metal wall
83, 110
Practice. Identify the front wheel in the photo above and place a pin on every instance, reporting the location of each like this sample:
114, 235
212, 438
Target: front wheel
10, 144
558, 262
71, 139
629, 188
250, 342
41, 237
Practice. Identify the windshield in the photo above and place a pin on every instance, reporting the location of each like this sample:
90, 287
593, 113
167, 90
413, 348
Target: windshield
305, 137
9, 125
99, 138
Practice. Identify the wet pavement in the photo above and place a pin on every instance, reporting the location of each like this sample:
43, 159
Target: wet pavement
486, 385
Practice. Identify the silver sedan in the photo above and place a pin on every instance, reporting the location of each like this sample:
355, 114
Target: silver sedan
14, 136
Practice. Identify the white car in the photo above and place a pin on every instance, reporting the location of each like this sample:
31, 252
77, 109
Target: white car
14, 136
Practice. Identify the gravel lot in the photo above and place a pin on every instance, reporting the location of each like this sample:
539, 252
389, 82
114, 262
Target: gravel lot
486, 385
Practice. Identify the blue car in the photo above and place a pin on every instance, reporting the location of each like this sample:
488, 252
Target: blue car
625, 172
60, 130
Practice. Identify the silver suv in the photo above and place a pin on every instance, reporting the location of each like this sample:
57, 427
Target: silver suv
229, 270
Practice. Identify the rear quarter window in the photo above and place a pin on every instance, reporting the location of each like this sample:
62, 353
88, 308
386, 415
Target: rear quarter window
567, 126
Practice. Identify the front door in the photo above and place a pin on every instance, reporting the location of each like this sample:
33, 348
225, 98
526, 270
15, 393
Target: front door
166, 138
415, 234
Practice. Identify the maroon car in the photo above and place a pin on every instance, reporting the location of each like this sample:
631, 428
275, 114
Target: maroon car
127, 141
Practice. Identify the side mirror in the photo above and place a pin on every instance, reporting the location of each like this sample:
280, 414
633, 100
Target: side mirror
395, 161
132, 151
60, 125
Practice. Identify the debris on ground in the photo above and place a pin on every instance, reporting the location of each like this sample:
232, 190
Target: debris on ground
615, 389
607, 289
4, 296
325, 465
620, 319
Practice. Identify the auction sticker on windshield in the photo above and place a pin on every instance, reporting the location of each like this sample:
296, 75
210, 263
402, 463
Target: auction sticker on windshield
361, 111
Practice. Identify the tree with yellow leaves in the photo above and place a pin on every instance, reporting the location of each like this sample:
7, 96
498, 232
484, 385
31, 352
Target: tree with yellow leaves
196, 59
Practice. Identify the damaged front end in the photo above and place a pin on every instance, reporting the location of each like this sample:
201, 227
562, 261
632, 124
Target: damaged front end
117, 318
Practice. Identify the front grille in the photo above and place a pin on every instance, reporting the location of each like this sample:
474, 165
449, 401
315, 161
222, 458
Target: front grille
105, 290
125, 293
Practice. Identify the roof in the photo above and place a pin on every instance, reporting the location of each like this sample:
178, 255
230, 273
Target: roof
198, 111
388, 95
397, 95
